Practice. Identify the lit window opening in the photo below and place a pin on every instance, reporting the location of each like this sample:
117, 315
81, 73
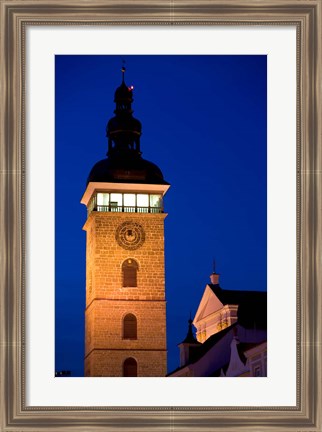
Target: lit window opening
126, 202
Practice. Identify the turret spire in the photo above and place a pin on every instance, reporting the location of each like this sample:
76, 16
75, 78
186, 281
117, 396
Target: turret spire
190, 337
124, 162
123, 131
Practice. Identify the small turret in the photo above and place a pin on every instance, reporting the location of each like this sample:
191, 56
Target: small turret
188, 346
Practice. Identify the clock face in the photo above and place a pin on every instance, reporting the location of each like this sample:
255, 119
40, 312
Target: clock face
130, 235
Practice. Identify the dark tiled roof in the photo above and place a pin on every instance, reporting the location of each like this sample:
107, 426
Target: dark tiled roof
202, 349
210, 342
235, 296
217, 372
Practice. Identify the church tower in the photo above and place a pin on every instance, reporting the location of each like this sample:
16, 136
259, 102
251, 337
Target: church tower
125, 317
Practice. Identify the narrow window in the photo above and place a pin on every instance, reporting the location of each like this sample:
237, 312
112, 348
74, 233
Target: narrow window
129, 327
129, 270
130, 368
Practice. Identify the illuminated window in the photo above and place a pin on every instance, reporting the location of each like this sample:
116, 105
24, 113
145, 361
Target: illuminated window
126, 202
142, 200
116, 198
130, 367
129, 327
155, 200
102, 199
129, 270
129, 200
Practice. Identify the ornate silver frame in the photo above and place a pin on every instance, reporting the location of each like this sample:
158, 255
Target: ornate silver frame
306, 15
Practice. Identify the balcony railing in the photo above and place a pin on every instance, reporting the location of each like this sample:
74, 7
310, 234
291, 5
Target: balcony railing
124, 209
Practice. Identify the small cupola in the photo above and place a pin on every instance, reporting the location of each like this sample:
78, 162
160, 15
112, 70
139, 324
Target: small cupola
123, 97
214, 277
123, 130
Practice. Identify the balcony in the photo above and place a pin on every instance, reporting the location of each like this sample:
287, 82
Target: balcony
127, 209
126, 203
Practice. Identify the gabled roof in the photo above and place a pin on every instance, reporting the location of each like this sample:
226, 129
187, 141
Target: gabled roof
252, 310
209, 303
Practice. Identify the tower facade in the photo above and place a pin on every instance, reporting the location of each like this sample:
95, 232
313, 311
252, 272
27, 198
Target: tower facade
125, 316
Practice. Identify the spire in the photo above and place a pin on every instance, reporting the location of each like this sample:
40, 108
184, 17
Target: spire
190, 337
123, 130
123, 96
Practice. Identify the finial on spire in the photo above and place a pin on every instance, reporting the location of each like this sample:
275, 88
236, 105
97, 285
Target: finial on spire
214, 266
123, 71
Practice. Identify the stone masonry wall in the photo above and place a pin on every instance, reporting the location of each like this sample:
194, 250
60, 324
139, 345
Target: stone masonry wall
110, 363
104, 257
107, 302
104, 321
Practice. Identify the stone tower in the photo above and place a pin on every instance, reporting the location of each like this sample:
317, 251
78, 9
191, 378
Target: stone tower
125, 317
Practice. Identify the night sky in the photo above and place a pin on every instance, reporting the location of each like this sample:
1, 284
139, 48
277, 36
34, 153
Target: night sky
204, 124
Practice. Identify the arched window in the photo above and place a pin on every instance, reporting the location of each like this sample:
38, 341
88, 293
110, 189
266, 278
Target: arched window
129, 327
129, 270
130, 367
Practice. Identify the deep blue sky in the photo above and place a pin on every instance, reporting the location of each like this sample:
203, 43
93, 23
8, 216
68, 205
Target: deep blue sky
204, 124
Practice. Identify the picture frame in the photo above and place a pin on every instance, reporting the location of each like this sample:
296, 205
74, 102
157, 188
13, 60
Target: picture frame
16, 16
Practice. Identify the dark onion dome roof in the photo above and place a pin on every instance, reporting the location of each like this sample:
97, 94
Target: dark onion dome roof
132, 169
124, 163
123, 123
123, 93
